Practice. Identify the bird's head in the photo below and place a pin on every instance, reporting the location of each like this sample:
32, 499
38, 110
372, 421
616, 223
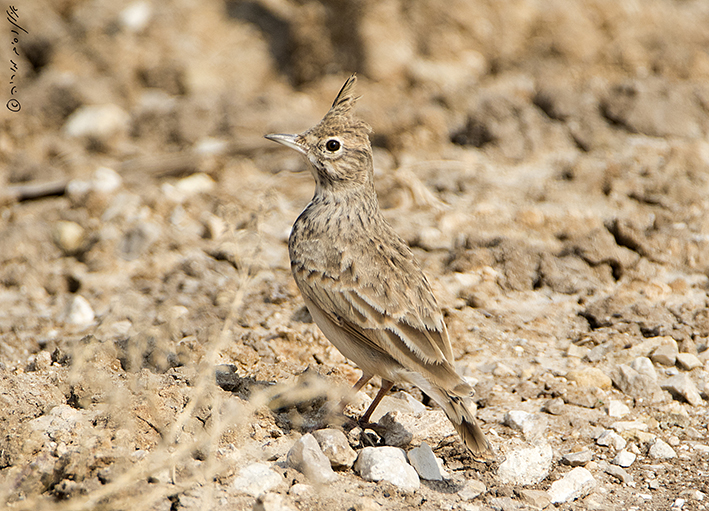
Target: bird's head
338, 146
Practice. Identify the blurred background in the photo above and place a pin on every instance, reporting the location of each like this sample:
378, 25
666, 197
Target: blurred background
109, 81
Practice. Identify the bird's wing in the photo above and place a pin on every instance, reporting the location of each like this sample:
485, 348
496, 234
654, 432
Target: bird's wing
404, 323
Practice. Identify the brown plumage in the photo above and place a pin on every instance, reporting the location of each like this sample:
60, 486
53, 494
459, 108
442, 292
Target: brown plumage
359, 279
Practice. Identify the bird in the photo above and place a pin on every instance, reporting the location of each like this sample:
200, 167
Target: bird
359, 279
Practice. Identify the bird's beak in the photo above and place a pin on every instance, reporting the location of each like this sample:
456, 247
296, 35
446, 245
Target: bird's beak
288, 141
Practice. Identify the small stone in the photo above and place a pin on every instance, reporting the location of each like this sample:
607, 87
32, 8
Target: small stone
554, 406
472, 488
643, 365
617, 409
701, 449
335, 446
195, 183
395, 433
693, 495
79, 312
641, 437
688, 361
214, 226
526, 466
577, 459
387, 464
272, 502
256, 479
583, 396
531, 425
118, 329
502, 370
136, 16
426, 464
575, 485
300, 490
355, 435
575, 351
661, 450
666, 354
681, 386
597, 353
99, 122
503, 504
210, 146
622, 426
106, 180
615, 471
590, 377
678, 504
535, 498
306, 457
69, 236
624, 458
612, 439
40, 362
638, 385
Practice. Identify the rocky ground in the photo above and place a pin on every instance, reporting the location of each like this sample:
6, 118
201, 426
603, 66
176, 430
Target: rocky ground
548, 161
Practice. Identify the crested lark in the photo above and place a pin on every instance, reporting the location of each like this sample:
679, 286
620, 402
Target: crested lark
359, 279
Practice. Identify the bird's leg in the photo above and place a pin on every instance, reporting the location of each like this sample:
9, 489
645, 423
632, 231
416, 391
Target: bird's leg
386, 387
357, 387
361, 382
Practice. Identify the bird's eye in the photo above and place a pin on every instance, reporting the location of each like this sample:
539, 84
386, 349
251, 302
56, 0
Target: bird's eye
332, 145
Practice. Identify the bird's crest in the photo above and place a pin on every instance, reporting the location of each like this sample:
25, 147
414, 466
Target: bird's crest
340, 113
345, 99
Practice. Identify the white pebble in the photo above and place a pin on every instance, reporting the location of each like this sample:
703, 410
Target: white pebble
471, 489
387, 464
335, 446
306, 457
426, 464
526, 466
256, 479
576, 484
97, 121
682, 386
621, 426
106, 180
272, 502
661, 450
617, 409
530, 424
612, 439
79, 312
136, 16
69, 236
624, 458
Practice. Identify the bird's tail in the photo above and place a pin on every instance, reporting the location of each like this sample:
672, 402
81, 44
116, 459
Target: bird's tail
458, 407
458, 411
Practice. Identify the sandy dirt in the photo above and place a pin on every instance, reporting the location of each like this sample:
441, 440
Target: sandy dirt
548, 162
